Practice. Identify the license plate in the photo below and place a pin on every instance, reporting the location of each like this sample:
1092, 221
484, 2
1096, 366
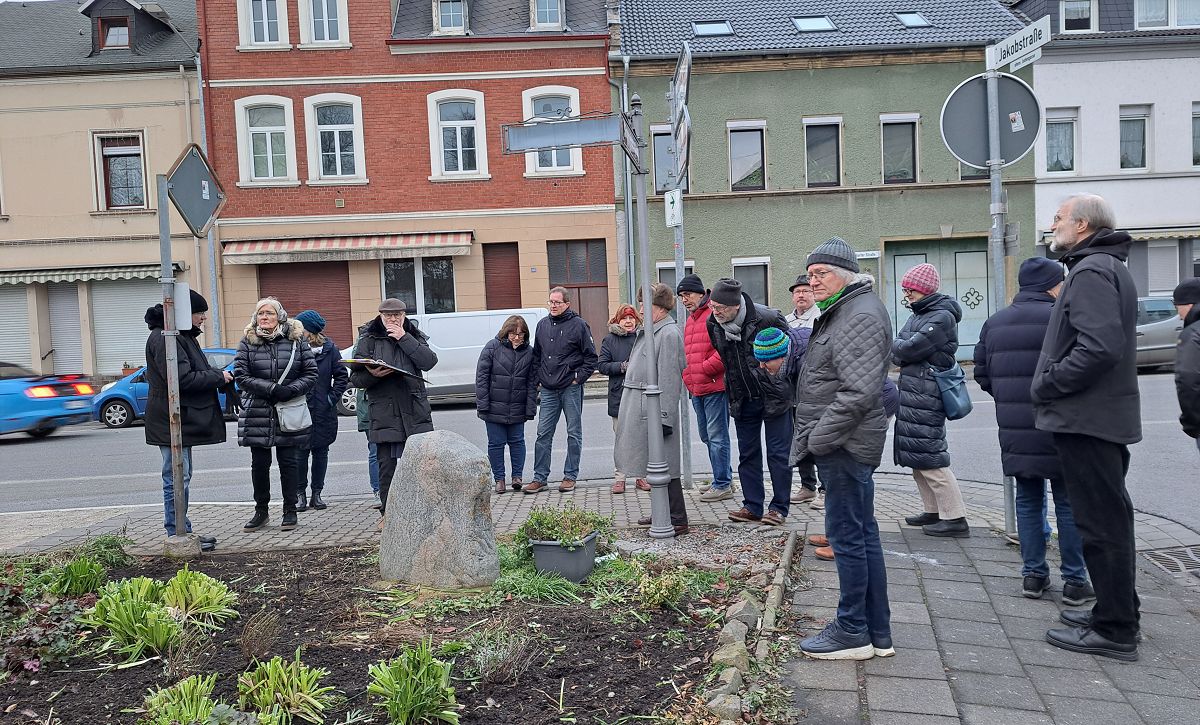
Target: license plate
76, 404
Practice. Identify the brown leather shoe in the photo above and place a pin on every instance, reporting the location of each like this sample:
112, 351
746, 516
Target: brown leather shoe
517, 483
773, 518
500, 487
743, 515
681, 530
618, 486
644, 521
534, 487
824, 553
818, 540
566, 485
642, 484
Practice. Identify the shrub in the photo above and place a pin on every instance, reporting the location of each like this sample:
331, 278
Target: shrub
569, 525
188, 701
663, 590
414, 687
291, 686
82, 575
131, 611
108, 550
197, 597
499, 655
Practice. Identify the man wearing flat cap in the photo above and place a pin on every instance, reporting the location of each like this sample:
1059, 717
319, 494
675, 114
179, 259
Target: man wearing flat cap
1187, 357
399, 405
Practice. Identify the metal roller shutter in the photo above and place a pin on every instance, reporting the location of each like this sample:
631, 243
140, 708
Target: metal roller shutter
1163, 261
118, 321
65, 337
14, 321
502, 276
320, 286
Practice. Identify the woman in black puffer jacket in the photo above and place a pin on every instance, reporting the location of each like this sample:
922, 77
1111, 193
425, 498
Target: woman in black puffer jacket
506, 397
928, 340
262, 357
613, 360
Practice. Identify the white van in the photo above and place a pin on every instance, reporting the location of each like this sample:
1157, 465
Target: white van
457, 338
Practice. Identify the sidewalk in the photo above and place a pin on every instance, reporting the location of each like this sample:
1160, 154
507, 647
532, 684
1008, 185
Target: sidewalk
970, 648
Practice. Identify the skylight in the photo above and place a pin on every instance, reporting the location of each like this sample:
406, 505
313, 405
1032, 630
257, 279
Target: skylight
914, 20
814, 24
712, 28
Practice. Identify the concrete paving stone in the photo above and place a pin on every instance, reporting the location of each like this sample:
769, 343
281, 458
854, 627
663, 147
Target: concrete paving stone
961, 631
979, 688
985, 715
816, 597
988, 660
1006, 585
996, 568
1077, 711
1019, 606
1161, 708
985, 541
820, 579
1032, 652
827, 707
1136, 677
913, 636
902, 593
909, 612
903, 694
812, 674
880, 717
1001, 556
1025, 628
946, 572
960, 590
1160, 605
907, 577
893, 559
933, 546
813, 619
1064, 682
891, 536
918, 663
960, 609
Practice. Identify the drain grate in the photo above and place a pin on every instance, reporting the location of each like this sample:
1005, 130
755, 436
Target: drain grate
1177, 560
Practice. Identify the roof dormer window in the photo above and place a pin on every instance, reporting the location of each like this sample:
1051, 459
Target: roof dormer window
913, 20
711, 28
450, 17
546, 14
813, 23
114, 33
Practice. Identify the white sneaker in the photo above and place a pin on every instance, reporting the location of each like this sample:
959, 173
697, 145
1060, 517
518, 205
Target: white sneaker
717, 494
704, 486
818, 503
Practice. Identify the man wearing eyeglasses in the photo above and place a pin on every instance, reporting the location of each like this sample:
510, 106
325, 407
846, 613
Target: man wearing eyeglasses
564, 357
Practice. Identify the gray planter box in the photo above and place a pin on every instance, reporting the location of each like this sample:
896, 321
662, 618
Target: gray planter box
572, 564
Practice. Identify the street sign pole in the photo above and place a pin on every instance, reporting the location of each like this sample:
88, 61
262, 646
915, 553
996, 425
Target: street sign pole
677, 100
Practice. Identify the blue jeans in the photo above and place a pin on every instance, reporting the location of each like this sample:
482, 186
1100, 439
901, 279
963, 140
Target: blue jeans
712, 419
1031, 512
853, 533
500, 435
373, 465
320, 464
750, 455
169, 488
552, 404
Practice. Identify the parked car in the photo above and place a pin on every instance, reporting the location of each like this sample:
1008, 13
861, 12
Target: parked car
41, 404
122, 402
1158, 328
457, 338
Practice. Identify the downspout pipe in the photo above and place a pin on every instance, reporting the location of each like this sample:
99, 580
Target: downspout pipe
628, 200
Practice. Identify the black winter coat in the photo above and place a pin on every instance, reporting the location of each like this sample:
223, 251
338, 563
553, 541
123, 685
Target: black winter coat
332, 381
199, 408
399, 404
738, 355
1187, 373
779, 390
505, 391
1086, 379
1005, 359
928, 339
614, 351
256, 368
563, 351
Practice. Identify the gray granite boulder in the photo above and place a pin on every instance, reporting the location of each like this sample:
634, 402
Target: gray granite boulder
438, 530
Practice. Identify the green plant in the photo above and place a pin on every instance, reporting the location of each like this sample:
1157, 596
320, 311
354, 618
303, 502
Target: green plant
498, 655
108, 550
414, 687
289, 685
661, 590
132, 612
82, 575
568, 525
187, 701
526, 582
197, 597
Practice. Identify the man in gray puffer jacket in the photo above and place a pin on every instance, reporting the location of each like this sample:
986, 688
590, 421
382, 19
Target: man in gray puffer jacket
841, 424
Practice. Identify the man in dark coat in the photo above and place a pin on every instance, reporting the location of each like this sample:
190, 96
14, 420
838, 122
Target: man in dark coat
1005, 359
1085, 392
732, 326
199, 408
1187, 356
399, 404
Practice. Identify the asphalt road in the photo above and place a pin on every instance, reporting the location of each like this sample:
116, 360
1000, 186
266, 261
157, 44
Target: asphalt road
89, 466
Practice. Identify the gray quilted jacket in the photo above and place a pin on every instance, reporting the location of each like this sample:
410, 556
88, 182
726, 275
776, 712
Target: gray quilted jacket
838, 403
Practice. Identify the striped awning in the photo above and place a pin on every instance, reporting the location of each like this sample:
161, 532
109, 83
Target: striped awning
79, 274
322, 249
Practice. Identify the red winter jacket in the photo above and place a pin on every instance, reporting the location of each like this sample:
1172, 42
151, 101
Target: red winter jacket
705, 373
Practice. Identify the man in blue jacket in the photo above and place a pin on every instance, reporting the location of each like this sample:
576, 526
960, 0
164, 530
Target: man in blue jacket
564, 357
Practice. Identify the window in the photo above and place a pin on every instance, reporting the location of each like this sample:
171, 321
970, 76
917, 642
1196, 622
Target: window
1167, 14
114, 32
746, 156
822, 149
577, 263
753, 273
899, 149
1155, 310
664, 161
813, 23
1135, 121
712, 28
1196, 134
263, 24
458, 143
1077, 16
913, 20
265, 20
121, 172
1060, 139
334, 127
323, 24
547, 14
451, 16
424, 284
552, 102
666, 272
266, 141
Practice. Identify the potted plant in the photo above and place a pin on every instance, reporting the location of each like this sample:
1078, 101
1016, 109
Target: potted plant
127, 369
564, 540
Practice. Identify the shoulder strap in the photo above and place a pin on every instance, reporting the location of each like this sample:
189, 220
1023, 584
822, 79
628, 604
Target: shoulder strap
291, 359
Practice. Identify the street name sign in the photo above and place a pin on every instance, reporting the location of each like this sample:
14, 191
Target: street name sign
964, 120
194, 190
681, 82
1021, 43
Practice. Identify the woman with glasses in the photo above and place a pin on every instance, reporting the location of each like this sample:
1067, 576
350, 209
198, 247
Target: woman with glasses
505, 397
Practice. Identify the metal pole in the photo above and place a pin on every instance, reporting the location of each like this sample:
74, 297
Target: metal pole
214, 288
627, 195
685, 416
657, 472
999, 211
167, 277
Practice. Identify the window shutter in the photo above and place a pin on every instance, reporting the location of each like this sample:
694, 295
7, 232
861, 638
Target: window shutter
320, 286
502, 276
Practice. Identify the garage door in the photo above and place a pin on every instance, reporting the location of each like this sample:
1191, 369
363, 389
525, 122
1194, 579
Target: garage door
320, 286
65, 338
118, 321
14, 320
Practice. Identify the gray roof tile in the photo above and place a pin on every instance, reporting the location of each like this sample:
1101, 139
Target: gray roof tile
499, 19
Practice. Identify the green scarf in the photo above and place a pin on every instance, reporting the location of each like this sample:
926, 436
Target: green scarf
826, 304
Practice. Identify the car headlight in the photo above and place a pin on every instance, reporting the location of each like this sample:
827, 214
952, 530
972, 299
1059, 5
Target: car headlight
107, 386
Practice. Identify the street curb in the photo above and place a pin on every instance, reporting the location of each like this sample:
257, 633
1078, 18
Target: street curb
775, 596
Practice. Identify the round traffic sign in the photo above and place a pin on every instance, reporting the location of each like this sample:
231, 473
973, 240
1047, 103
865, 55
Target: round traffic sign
965, 120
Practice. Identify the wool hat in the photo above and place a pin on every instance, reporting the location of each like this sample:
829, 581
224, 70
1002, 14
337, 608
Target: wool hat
1187, 293
922, 278
282, 313
312, 321
836, 252
727, 292
391, 304
690, 283
199, 304
770, 344
801, 281
1039, 274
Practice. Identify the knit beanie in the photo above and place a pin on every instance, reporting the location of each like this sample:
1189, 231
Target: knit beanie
1039, 274
836, 252
199, 304
1187, 293
770, 344
922, 278
690, 283
727, 292
312, 321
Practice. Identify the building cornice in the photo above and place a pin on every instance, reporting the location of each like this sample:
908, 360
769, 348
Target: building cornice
407, 78
748, 63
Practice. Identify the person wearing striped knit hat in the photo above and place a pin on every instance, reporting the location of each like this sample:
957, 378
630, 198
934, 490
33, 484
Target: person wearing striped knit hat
779, 353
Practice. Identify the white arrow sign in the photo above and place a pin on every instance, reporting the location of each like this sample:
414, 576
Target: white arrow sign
1019, 44
673, 205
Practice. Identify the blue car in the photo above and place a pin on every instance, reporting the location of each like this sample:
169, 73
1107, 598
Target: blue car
124, 401
41, 404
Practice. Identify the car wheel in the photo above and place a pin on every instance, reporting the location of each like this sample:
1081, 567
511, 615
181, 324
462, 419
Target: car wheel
117, 414
41, 432
348, 403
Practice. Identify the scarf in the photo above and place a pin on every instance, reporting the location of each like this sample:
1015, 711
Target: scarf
268, 336
733, 328
826, 304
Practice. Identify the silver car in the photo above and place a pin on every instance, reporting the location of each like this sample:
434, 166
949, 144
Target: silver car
1158, 328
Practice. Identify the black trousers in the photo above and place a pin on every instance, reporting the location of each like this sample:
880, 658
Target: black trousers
260, 476
387, 469
1094, 471
676, 500
808, 474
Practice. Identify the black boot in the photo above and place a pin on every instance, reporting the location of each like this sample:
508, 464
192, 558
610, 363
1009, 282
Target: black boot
301, 501
289, 521
922, 519
316, 502
257, 521
956, 528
